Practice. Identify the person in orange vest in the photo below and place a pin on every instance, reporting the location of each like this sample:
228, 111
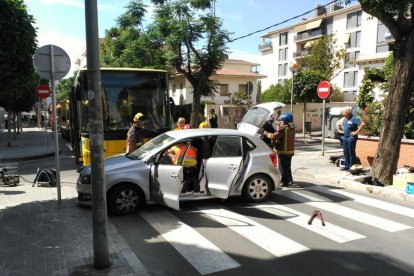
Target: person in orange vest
182, 154
284, 143
135, 137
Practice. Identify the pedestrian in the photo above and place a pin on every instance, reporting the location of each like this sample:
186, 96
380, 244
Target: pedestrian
284, 144
180, 125
204, 123
212, 119
351, 126
135, 137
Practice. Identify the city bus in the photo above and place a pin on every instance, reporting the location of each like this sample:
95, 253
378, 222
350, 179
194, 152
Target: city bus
125, 92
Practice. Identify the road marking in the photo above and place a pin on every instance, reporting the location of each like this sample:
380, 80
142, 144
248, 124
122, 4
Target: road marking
390, 207
197, 250
384, 224
271, 241
330, 231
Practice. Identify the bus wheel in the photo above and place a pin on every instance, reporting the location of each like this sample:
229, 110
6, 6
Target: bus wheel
125, 199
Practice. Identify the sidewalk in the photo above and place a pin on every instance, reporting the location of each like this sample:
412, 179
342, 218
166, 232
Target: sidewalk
39, 236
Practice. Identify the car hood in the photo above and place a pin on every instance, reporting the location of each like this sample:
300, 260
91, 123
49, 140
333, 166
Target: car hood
114, 163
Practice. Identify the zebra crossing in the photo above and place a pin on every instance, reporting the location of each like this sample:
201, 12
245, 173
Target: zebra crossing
201, 252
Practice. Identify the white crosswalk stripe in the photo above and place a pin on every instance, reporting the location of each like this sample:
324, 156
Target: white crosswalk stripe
394, 208
262, 236
317, 202
330, 231
196, 249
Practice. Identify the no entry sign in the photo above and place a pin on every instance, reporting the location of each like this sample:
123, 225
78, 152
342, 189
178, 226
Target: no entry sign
324, 90
43, 91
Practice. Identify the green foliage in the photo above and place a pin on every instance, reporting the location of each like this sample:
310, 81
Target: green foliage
324, 56
63, 88
277, 93
305, 85
373, 118
239, 98
129, 44
17, 47
194, 42
336, 94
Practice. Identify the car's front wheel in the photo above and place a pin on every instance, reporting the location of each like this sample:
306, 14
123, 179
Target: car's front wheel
257, 188
125, 199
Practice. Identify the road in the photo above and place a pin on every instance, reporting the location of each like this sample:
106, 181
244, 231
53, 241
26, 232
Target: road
363, 234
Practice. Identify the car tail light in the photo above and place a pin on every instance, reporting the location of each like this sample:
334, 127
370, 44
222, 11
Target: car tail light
273, 157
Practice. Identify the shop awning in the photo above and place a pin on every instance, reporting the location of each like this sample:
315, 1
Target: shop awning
307, 45
314, 24
300, 28
346, 38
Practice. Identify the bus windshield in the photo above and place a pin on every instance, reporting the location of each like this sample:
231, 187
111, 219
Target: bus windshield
125, 93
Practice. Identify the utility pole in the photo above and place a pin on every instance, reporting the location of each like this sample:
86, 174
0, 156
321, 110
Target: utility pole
99, 216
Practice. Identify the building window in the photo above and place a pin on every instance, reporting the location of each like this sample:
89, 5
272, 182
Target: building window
243, 88
174, 90
382, 32
354, 40
329, 25
350, 79
352, 58
224, 89
283, 39
282, 70
283, 54
353, 20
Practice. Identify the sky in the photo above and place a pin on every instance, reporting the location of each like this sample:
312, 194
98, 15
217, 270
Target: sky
62, 22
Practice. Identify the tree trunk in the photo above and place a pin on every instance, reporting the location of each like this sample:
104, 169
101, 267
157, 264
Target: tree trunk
195, 107
397, 103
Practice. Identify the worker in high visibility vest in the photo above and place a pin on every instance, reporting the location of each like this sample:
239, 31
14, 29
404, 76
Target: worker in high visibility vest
284, 143
185, 155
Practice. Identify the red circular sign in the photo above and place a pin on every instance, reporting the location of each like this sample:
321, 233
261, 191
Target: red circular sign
324, 90
43, 91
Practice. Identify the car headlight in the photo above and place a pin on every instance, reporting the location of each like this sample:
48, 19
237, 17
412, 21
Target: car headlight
85, 179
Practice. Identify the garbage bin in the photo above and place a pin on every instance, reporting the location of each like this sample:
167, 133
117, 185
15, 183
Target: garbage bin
332, 115
308, 127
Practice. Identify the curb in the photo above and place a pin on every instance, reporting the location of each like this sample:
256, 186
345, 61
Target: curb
347, 183
26, 158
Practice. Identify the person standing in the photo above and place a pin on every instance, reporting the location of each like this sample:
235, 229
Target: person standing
135, 137
212, 119
284, 143
180, 125
204, 123
351, 126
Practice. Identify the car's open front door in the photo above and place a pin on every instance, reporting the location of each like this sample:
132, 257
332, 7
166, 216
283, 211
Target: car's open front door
166, 185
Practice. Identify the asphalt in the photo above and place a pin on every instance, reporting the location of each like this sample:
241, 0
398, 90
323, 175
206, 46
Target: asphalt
41, 235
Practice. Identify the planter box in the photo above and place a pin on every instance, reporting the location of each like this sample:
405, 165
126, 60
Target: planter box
366, 149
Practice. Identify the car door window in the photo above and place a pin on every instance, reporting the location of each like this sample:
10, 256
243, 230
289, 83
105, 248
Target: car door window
227, 146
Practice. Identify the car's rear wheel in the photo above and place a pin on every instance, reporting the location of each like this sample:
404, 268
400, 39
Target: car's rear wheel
125, 199
257, 188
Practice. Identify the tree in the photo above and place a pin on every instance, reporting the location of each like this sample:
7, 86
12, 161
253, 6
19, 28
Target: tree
63, 88
397, 17
239, 98
324, 56
195, 43
17, 47
129, 44
277, 93
305, 86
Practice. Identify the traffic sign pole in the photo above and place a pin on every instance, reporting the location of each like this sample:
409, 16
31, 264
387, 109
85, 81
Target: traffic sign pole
324, 91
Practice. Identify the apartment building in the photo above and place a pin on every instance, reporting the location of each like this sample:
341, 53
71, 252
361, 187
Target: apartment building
234, 76
366, 40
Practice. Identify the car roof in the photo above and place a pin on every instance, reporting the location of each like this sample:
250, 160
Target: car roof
196, 132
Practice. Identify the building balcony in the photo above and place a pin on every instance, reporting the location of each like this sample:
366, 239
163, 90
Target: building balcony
300, 54
389, 38
309, 35
264, 46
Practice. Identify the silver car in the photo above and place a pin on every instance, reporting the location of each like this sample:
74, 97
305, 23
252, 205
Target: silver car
228, 163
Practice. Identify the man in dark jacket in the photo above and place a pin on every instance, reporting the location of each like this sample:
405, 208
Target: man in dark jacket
135, 137
284, 143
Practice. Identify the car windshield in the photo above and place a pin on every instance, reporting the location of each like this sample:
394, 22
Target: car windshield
256, 116
150, 147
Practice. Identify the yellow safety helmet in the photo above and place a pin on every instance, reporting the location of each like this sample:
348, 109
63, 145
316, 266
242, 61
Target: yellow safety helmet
139, 117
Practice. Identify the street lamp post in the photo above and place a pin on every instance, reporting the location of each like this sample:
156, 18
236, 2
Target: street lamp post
294, 67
